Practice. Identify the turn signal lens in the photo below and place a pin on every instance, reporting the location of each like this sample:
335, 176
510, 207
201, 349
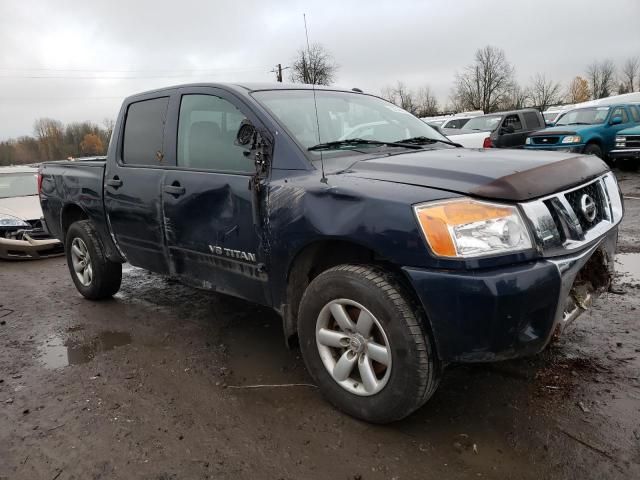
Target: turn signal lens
471, 228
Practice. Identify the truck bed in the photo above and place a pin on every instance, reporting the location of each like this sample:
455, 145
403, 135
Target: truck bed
68, 184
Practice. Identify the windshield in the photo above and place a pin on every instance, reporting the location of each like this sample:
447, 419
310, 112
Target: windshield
487, 123
18, 184
584, 116
342, 116
549, 116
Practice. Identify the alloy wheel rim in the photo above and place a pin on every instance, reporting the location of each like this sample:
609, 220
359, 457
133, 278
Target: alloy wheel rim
81, 261
353, 347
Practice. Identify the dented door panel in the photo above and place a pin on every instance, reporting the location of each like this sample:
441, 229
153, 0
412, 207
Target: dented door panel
211, 238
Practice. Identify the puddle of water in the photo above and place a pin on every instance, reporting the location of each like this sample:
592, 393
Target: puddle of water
628, 267
58, 353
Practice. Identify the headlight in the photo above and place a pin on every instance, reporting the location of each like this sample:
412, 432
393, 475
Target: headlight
471, 228
571, 139
11, 221
527, 141
621, 141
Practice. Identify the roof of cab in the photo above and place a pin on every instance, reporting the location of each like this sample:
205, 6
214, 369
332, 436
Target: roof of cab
245, 87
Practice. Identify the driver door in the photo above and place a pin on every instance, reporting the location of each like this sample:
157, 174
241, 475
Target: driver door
208, 204
512, 139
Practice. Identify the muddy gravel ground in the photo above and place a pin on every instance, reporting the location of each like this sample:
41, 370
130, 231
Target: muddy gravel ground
150, 385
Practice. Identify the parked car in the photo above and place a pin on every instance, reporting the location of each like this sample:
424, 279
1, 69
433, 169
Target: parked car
626, 152
446, 123
499, 130
590, 130
552, 114
387, 258
22, 233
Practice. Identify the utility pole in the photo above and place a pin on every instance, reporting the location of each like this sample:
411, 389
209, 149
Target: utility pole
278, 72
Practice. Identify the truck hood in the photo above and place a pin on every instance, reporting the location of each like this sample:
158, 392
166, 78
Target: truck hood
630, 131
565, 130
24, 208
513, 175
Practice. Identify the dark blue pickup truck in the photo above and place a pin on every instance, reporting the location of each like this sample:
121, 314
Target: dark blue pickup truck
388, 250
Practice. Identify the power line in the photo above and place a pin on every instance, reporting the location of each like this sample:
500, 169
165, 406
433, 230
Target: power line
90, 70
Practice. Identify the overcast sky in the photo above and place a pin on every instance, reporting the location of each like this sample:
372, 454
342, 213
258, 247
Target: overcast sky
94, 53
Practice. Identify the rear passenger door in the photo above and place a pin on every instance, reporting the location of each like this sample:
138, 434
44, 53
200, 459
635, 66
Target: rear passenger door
207, 200
133, 179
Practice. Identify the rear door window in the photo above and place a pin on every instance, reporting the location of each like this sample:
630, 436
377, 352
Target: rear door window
144, 132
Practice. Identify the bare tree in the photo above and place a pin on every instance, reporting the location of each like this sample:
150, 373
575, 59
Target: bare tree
313, 66
601, 78
426, 103
630, 71
578, 91
401, 96
514, 98
544, 93
484, 84
50, 136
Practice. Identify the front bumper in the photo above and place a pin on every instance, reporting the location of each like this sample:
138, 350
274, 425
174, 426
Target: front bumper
502, 313
625, 153
559, 147
28, 248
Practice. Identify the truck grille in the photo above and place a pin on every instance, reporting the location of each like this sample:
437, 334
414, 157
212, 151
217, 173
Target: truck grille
633, 141
568, 220
575, 199
545, 140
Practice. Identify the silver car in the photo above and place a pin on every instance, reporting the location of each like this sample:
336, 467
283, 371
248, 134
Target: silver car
23, 234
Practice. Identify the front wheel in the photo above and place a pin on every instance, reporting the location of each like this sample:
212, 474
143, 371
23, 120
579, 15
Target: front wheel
94, 275
365, 344
593, 149
627, 164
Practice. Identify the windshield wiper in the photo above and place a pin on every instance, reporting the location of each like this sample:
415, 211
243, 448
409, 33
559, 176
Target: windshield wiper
423, 140
359, 141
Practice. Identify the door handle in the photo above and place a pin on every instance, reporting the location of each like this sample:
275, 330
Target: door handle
175, 189
114, 182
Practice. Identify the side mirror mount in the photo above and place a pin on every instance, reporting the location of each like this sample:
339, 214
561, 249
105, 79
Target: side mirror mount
617, 120
246, 133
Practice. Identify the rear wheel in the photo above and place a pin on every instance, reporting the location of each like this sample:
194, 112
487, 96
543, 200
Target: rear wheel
366, 345
94, 275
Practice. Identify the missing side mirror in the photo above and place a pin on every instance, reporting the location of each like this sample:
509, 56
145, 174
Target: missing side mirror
245, 134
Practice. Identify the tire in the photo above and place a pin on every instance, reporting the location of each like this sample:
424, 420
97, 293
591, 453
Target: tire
627, 164
412, 373
94, 275
594, 149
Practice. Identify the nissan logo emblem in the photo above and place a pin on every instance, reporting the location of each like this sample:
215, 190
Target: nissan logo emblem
588, 207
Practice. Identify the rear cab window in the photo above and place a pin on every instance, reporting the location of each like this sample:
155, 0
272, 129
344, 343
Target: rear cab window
144, 132
532, 120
